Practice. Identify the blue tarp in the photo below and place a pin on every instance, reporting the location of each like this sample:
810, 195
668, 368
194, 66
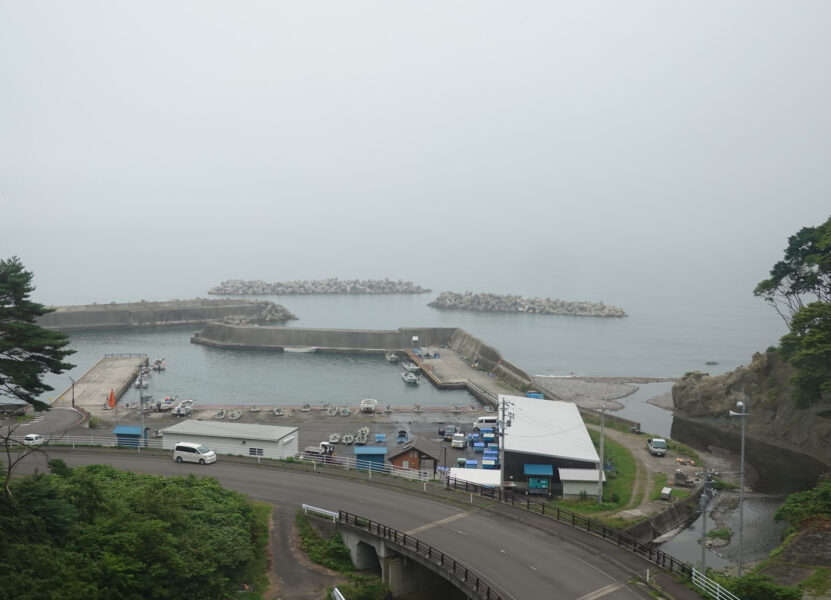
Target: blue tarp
545, 470
380, 438
471, 464
478, 447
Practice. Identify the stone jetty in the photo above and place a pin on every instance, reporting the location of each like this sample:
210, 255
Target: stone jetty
543, 306
236, 287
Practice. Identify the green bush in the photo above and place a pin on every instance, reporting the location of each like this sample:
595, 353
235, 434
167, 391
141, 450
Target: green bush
720, 534
755, 586
803, 506
332, 553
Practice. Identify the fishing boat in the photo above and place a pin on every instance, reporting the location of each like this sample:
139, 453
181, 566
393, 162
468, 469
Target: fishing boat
278, 411
344, 412
391, 356
332, 411
235, 414
347, 438
220, 414
334, 438
300, 349
368, 405
411, 378
306, 408
254, 408
411, 367
158, 365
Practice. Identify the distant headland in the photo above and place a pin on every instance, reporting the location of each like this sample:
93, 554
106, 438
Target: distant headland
543, 306
239, 287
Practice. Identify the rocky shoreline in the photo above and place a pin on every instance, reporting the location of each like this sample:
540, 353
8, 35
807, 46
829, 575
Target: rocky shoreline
508, 303
237, 287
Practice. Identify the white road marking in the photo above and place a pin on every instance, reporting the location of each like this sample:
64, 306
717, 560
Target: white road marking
449, 519
612, 587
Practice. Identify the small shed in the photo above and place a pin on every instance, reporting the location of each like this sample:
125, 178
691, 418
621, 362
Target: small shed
370, 458
128, 436
579, 482
412, 457
539, 478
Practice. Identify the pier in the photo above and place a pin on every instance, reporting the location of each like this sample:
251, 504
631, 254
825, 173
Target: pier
92, 389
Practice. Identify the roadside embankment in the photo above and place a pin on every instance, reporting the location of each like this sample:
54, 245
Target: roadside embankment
155, 314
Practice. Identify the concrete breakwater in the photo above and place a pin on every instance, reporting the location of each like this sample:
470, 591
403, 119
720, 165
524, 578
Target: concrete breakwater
321, 286
154, 314
544, 306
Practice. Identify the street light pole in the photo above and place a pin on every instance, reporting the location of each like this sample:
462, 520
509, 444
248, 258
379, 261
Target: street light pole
73, 390
743, 414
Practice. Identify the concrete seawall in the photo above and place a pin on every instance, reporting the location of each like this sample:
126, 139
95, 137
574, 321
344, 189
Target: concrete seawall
147, 314
333, 340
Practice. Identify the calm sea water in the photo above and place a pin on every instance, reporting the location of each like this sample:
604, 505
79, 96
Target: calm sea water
654, 340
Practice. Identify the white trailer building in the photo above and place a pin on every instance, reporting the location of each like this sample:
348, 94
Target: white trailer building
267, 441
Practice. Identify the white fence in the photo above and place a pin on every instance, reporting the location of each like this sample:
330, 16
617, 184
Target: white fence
710, 587
347, 463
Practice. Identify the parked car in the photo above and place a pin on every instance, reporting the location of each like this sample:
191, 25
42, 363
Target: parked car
188, 452
33, 439
449, 430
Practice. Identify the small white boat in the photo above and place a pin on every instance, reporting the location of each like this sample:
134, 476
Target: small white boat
300, 349
409, 377
220, 414
391, 356
306, 408
368, 405
334, 438
347, 438
235, 414
254, 408
332, 411
344, 412
411, 367
278, 411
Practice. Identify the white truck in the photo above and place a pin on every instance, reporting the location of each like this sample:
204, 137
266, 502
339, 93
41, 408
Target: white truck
656, 446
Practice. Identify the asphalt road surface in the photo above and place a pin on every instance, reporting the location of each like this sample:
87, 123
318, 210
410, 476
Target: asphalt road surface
527, 559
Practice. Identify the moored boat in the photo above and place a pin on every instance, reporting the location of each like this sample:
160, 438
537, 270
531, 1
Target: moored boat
334, 438
391, 356
368, 405
411, 378
411, 367
300, 349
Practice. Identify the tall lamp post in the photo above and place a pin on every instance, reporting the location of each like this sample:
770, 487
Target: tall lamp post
73, 390
743, 415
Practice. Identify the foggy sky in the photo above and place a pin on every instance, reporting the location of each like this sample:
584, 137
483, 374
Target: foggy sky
587, 151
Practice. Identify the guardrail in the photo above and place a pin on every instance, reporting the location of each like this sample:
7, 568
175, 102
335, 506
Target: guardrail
713, 588
452, 567
615, 536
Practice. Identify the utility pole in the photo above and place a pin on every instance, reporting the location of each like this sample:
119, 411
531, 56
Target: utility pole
73, 390
704, 500
743, 414
600, 466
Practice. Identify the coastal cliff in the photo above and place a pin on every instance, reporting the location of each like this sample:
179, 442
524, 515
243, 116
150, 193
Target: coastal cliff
788, 445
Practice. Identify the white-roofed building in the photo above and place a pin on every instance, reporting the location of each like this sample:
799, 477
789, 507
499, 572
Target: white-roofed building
267, 441
579, 482
485, 477
541, 437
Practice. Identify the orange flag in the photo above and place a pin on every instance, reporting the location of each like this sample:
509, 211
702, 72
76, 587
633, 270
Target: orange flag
112, 398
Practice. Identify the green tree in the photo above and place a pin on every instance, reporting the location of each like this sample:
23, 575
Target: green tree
808, 348
27, 350
803, 276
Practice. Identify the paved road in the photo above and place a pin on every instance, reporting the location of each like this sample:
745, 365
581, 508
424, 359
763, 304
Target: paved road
527, 560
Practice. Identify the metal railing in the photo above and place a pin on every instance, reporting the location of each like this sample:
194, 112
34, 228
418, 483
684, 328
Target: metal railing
713, 588
446, 563
612, 535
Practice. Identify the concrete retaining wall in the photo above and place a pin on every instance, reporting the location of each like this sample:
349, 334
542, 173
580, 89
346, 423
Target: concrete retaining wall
489, 358
675, 515
346, 340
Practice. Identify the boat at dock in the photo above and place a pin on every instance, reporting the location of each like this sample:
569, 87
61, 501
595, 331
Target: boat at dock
409, 377
300, 349
368, 405
411, 367
391, 356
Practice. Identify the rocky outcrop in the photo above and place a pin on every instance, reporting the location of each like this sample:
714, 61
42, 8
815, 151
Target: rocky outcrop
236, 287
785, 439
544, 306
158, 314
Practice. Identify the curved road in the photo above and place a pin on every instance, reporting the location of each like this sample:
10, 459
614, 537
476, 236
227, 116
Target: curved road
529, 561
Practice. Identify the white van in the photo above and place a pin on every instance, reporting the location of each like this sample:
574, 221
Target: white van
459, 441
188, 452
485, 422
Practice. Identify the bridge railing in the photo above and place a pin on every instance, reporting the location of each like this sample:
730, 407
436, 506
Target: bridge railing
458, 570
615, 536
